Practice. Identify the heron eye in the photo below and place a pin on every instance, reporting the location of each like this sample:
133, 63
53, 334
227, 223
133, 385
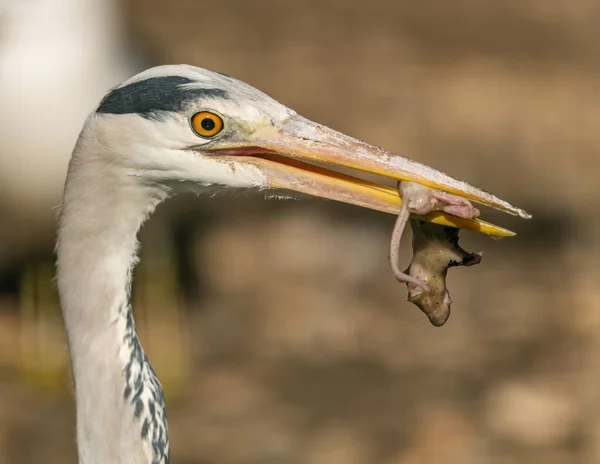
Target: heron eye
207, 124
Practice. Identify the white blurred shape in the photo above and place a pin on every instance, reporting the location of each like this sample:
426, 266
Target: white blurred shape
57, 59
532, 414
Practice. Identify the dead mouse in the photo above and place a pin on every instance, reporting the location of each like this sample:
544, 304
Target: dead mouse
435, 248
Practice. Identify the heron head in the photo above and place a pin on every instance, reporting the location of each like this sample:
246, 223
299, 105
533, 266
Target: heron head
182, 125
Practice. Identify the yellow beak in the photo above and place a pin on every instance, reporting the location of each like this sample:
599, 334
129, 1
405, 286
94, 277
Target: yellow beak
282, 154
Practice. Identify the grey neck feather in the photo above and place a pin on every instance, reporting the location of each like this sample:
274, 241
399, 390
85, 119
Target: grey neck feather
120, 409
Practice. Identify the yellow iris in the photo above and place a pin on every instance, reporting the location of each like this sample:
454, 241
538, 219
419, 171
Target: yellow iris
207, 124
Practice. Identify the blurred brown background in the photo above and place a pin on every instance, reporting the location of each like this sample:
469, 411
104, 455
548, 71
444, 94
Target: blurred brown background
277, 329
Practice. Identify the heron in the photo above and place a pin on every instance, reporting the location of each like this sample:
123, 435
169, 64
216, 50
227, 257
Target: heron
179, 128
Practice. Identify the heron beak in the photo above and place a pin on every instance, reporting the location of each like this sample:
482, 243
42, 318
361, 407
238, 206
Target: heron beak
285, 155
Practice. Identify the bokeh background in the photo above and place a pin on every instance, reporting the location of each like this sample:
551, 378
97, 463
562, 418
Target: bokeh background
277, 329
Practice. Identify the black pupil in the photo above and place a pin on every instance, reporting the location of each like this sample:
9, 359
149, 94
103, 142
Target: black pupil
207, 124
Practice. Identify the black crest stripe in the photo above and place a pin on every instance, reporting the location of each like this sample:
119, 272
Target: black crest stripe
152, 97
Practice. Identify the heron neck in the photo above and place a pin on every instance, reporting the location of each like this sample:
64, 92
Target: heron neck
120, 408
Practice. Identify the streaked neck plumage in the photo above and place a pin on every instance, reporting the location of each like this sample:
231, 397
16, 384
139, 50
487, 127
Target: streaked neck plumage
120, 408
